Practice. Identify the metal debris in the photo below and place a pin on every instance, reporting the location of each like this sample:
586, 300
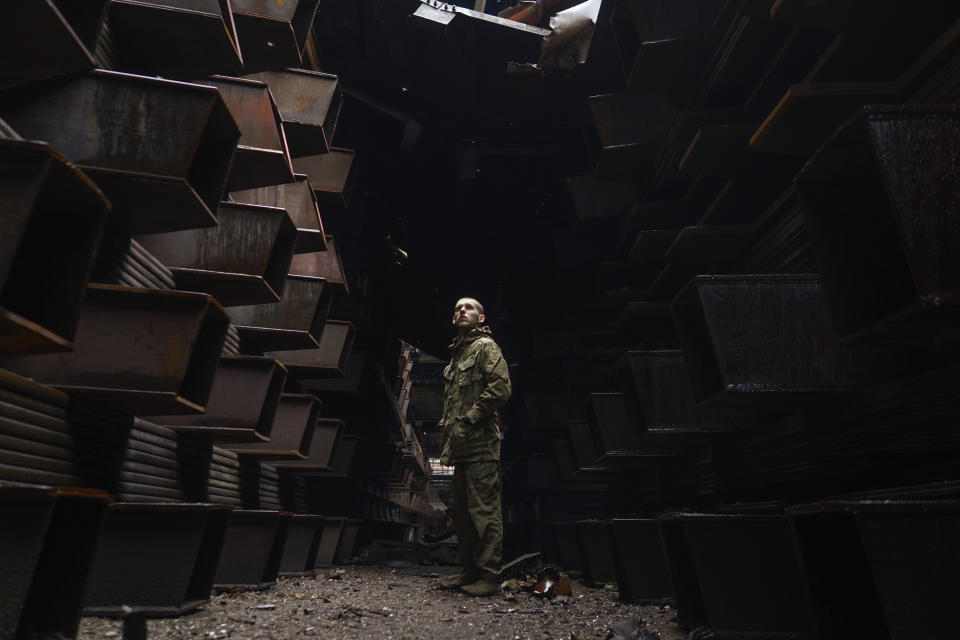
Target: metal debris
631, 630
551, 583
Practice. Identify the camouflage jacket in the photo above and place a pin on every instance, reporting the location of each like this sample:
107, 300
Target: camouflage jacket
477, 383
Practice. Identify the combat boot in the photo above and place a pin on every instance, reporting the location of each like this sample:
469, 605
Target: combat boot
460, 579
488, 585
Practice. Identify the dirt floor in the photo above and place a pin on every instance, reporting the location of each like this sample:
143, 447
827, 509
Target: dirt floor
357, 602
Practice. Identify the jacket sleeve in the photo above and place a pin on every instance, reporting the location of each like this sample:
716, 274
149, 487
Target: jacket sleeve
497, 387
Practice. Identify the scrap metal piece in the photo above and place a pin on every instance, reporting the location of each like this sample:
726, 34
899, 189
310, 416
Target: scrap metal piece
273, 34
142, 351
176, 38
159, 149
262, 156
243, 402
40, 299
38, 40
300, 203
309, 103
243, 260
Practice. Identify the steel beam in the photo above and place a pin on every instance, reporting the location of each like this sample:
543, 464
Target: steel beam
40, 298
323, 447
881, 208
142, 351
323, 264
176, 38
300, 203
291, 435
26, 512
328, 360
331, 175
303, 537
296, 321
243, 402
309, 103
273, 34
262, 157
246, 550
243, 260
159, 149
40, 40
155, 558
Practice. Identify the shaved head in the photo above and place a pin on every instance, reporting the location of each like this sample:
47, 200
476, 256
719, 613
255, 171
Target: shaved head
467, 314
476, 303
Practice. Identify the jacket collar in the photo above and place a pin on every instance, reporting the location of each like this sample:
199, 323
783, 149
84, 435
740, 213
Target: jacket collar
477, 332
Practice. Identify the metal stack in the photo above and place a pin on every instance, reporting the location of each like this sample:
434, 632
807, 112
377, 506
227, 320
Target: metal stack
157, 243
774, 293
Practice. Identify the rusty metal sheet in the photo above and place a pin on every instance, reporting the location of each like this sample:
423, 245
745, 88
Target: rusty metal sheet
331, 175
53, 606
176, 38
246, 549
160, 150
242, 405
323, 447
273, 34
142, 351
262, 156
328, 360
296, 321
301, 205
147, 557
881, 206
309, 103
243, 260
37, 40
292, 432
40, 300
322, 264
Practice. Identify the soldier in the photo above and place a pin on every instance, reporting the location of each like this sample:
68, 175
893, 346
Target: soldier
477, 384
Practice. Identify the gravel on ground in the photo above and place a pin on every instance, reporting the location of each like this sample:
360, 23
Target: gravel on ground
356, 601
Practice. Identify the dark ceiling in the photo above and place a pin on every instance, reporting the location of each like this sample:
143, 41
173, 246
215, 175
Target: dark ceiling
462, 165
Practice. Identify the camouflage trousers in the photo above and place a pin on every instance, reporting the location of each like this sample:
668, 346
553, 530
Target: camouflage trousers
476, 515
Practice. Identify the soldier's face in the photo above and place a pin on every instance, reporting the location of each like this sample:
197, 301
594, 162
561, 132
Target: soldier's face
466, 315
